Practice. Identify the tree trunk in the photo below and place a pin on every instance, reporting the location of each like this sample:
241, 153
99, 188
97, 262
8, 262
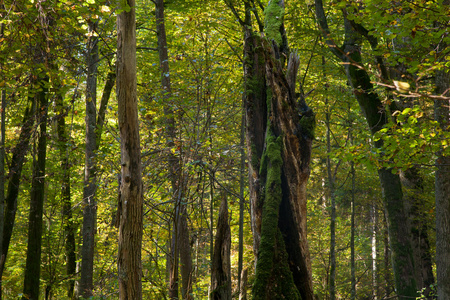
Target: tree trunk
15, 172
131, 198
86, 284
279, 138
243, 285
221, 265
241, 201
376, 117
33, 260
331, 190
2, 176
69, 229
442, 190
352, 234
181, 250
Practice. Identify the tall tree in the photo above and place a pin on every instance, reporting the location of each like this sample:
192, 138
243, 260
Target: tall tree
180, 252
280, 130
33, 261
131, 198
86, 285
376, 117
442, 186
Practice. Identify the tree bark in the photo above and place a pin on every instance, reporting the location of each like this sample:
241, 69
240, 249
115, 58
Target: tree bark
131, 197
86, 284
221, 265
33, 260
279, 137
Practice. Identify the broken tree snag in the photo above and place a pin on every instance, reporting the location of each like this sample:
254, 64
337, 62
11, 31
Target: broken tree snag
293, 121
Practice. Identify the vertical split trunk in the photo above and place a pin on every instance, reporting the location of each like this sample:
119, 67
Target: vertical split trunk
221, 265
131, 197
86, 284
33, 260
279, 137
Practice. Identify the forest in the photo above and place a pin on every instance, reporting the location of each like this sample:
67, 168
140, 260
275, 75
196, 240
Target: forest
225, 149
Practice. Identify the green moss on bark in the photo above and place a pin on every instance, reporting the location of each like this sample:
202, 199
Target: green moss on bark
273, 21
272, 247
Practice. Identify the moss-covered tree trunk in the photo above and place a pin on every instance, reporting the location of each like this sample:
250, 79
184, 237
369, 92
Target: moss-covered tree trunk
279, 133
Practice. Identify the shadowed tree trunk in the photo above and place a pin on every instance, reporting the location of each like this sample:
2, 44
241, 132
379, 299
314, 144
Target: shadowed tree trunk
69, 229
442, 189
131, 199
33, 260
221, 265
14, 176
280, 130
86, 285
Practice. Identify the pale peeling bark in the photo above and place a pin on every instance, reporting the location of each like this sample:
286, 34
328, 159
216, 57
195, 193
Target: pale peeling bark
131, 198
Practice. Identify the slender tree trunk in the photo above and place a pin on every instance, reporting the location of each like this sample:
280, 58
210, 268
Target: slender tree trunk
374, 219
2, 177
131, 197
241, 201
33, 260
331, 191
69, 229
352, 234
221, 265
442, 190
86, 284
2, 165
15, 172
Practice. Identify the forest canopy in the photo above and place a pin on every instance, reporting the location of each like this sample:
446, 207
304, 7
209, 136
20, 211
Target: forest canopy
232, 149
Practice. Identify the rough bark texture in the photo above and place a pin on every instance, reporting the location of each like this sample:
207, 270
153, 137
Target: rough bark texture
279, 137
33, 261
131, 198
376, 117
442, 192
221, 265
86, 284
